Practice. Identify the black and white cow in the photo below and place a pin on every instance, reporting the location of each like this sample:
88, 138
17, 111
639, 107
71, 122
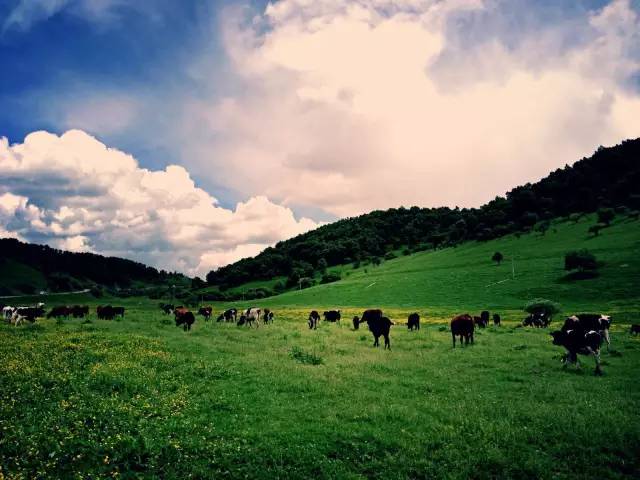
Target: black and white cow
228, 315
590, 321
314, 318
252, 315
577, 341
267, 316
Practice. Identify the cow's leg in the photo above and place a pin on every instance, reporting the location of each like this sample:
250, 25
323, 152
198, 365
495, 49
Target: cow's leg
596, 356
607, 339
453, 336
387, 343
375, 341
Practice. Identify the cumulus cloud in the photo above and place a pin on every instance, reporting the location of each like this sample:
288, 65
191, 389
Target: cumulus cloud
75, 193
356, 105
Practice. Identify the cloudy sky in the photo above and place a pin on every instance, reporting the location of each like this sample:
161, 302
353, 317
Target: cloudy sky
188, 134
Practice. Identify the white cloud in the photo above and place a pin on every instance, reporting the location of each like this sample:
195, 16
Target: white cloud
351, 106
75, 193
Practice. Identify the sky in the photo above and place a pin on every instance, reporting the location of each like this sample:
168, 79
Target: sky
189, 134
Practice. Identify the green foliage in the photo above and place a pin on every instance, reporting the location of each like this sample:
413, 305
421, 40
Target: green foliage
606, 215
330, 277
390, 256
541, 305
580, 260
595, 229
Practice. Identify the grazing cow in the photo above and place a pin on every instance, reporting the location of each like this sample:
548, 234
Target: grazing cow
241, 320
252, 314
60, 311
578, 341
30, 313
484, 315
228, 315
267, 317
105, 312
314, 318
332, 316
7, 312
537, 319
80, 311
590, 321
479, 321
413, 322
184, 317
166, 308
118, 311
496, 319
356, 322
206, 312
462, 326
635, 329
379, 326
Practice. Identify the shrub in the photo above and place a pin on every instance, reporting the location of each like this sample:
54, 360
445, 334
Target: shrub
390, 256
595, 229
580, 260
330, 277
497, 257
541, 305
406, 252
605, 215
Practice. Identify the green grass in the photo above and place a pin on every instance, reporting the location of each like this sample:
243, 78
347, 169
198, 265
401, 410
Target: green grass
140, 398
16, 276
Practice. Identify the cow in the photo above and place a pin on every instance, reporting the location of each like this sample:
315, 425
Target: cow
496, 319
166, 308
228, 315
79, 311
30, 313
7, 312
206, 312
537, 319
356, 322
252, 314
332, 316
118, 311
314, 318
462, 326
484, 315
267, 317
635, 329
379, 326
590, 321
59, 311
578, 341
184, 317
105, 312
413, 322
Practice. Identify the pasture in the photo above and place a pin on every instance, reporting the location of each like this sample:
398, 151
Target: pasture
140, 398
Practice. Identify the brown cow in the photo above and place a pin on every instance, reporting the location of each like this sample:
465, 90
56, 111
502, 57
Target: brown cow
462, 326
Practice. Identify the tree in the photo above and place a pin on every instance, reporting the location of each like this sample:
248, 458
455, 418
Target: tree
542, 306
581, 260
497, 257
605, 215
595, 229
322, 265
543, 226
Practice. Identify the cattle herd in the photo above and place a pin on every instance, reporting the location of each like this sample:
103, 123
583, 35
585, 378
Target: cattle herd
580, 334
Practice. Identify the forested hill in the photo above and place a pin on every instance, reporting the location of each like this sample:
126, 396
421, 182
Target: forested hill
606, 181
29, 268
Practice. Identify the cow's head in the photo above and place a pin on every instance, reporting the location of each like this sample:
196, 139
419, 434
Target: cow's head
605, 321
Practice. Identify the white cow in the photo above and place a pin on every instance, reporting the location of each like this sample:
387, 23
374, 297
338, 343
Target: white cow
252, 315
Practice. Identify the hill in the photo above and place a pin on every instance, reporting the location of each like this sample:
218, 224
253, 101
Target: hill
464, 277
610, 179
27, 269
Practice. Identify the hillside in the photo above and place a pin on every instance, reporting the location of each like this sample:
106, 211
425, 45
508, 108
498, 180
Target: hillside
28, 269
609, 179
464, 277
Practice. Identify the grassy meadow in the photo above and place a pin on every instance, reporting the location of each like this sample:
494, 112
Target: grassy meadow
140, 398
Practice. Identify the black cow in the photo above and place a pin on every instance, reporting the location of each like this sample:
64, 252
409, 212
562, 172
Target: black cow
484, 315
635, 329
228, 315
105, 312
462, 326
206, 312
379, 326
590, 321
267, 316
118, 311
166, 308
537, 319
479, 321
413, 322
184, 317
332, 316
314, 318
578, 341
496, 319
80, 311
356, 322
59, 311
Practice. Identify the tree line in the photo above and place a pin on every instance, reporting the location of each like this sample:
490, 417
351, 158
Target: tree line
609, 179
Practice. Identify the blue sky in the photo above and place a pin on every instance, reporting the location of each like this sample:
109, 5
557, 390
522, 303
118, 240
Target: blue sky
306, 106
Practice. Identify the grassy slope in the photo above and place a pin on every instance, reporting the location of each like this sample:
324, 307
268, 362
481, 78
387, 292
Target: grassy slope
15, 274
464, 278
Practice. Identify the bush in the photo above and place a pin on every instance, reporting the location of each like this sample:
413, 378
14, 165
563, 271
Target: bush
497, 257
605, 215
390, 256
541, 305
580, 260
595, 229
406, 252
330, 277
